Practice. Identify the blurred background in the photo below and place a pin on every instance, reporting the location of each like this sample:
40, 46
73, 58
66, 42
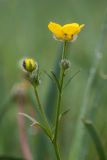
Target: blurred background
24, 33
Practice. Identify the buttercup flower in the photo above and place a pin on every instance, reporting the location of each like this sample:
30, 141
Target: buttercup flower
67, 32
29, 64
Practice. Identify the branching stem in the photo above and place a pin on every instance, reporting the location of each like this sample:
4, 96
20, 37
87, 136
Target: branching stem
62, 74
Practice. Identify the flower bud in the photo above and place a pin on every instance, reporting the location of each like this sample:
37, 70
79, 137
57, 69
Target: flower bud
31, 71
65, 64
35, 78
29, 64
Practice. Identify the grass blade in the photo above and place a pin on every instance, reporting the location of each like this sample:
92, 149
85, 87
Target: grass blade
96, 139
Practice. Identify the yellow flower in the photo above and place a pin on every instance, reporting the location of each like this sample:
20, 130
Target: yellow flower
29, 64
68, 32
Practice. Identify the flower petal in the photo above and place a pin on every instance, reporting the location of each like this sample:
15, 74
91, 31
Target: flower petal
71, 29
55, 29
82, 25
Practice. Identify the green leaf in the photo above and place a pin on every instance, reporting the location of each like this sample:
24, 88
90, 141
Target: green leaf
53, 78
56, 80
64, 113
36, 123
69, 80
96, 139
43, 128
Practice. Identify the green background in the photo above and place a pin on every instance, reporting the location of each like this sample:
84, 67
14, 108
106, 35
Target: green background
24, 33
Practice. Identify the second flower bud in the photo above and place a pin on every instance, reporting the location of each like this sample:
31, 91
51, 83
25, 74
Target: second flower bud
65, 64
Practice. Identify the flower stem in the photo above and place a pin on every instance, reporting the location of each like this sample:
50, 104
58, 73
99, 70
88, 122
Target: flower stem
64, 48
48, 129
59, 106
62, 74
43, 113
56, 150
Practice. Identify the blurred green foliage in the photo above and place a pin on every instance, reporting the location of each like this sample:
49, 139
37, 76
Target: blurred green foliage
24, 32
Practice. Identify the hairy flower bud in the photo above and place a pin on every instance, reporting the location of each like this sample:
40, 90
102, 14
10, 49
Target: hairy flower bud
31, 70
35, 78
65, 64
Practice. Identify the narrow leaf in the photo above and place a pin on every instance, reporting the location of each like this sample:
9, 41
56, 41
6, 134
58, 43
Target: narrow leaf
69, 80
48, 75
96, 139
56, 80
36, 123
64, 113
